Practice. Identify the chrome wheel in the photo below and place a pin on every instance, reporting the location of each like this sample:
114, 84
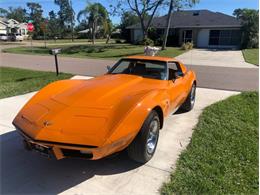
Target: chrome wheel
193, 94
152, 136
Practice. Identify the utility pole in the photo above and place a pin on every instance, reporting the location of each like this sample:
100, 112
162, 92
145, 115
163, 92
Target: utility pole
72, 25
166, 30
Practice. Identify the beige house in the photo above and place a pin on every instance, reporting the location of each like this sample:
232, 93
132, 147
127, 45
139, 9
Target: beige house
206, 29
12, 26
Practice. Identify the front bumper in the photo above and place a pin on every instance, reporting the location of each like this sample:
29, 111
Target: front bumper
67, 150
63, 150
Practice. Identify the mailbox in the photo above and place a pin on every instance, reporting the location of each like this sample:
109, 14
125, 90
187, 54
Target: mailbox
55, 51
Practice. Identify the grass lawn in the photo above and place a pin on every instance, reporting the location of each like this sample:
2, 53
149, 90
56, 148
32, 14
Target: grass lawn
16, 81
95, 51
222, 157
251, 56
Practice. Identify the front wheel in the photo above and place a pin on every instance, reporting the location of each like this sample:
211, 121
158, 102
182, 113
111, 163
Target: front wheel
144, 145
190, 101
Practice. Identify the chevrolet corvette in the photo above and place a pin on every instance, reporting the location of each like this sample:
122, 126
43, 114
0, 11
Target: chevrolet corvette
121, 110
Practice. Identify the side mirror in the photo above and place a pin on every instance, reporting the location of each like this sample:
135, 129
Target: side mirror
177, 75
108, 68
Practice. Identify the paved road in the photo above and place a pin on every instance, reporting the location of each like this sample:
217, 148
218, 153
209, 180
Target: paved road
238, 79
25, 172
91, 67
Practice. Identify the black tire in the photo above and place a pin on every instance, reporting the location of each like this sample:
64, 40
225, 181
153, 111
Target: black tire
139, 150
190, 101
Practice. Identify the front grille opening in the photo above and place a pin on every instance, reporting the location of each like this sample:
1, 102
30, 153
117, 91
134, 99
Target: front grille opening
76, 154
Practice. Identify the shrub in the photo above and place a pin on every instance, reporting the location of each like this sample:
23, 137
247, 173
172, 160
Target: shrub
119, 41
187, 46
95, 50
146, 41
158, 42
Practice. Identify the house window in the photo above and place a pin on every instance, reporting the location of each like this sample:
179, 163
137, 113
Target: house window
224, 37
214, 37
187, 36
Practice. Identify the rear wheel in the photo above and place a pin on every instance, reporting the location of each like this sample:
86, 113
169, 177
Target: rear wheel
190, 101
144, 145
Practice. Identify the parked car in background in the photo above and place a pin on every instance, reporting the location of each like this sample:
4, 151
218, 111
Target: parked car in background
11, 37
18, 37
3, 37
15, 37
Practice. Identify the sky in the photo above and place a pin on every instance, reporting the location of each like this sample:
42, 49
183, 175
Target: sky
224, 6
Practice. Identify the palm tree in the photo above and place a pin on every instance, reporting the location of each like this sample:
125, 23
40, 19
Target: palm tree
95, 14
108, 29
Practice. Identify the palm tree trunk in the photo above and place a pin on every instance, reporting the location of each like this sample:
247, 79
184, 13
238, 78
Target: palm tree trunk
166, 32
72, 34
108, 38
93, 32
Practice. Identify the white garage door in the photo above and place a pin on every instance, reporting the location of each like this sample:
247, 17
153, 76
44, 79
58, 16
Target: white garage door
203, 38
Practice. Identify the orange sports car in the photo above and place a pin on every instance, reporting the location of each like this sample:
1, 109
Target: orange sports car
123, 109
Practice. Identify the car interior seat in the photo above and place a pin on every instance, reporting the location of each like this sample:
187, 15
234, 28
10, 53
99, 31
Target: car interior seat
139, 69
172, 74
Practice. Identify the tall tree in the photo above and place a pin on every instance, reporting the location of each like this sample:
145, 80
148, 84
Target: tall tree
108, 29
143, 8
3, 12
250, 26
53, 27
128, 18
66, 16
95, 14
19, 14
36, 16
174, 5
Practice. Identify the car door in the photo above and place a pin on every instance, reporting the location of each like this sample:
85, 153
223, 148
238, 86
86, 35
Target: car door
175, 86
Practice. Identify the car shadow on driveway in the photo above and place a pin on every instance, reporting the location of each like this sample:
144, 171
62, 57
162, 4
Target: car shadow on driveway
24, 172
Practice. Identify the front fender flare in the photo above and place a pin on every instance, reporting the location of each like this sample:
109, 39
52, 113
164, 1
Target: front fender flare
131, 123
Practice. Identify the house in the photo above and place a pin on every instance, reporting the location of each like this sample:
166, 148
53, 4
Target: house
206, 29
8, 26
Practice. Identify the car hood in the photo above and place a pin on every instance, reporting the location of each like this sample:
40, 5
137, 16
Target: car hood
104, 91
83, 111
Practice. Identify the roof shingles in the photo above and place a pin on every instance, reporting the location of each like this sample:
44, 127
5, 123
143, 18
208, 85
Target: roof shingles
194, 18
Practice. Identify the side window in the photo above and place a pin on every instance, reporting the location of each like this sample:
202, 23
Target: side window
173, 66
174, 70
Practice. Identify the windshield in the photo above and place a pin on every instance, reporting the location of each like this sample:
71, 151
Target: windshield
145, 68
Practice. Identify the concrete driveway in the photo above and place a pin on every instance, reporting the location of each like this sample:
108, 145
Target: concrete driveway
218, 58
29, 173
